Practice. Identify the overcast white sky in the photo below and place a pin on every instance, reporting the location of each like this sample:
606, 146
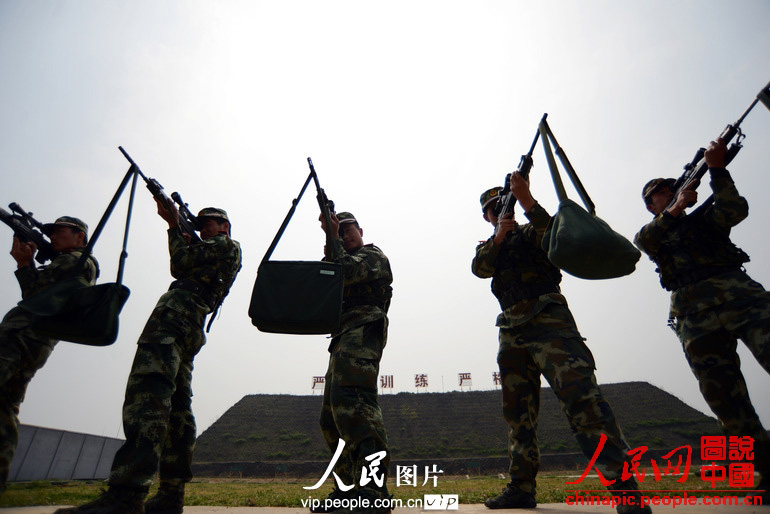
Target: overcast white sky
409, 109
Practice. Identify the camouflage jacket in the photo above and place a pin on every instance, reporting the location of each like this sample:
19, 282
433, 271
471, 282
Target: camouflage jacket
696, 259
523, 279
367, 285
33, 280
212, 263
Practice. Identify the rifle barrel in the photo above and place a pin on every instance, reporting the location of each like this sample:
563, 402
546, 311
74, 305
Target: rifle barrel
135, 165
537, 136
125, 154
753, 103
740, 120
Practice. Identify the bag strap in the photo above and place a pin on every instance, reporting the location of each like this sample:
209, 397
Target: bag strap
100, 227
124, 253
561, 193
323, 203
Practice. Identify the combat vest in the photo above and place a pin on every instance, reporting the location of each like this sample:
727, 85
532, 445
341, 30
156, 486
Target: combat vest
225, 276
212, 283
523, 271
693, 250
89, 274
52, 273
376, 292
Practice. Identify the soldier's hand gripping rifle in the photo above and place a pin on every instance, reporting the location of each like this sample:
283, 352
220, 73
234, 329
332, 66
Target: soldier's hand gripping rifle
507, 201
187, 222
28, 230
695, 170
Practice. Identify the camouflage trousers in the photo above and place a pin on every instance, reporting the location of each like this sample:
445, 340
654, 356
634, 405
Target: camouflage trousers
550, 344
157, 414
22, 353
710, 340
350, 411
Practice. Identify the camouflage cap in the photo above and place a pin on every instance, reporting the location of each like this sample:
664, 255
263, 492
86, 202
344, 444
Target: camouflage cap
489, 196
654, 185
346, 217
66, 221
213, 212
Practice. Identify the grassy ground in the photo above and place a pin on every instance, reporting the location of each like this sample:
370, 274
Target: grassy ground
290, 492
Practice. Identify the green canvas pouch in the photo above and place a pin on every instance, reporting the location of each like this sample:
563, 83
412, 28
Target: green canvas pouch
584, 245
576, 239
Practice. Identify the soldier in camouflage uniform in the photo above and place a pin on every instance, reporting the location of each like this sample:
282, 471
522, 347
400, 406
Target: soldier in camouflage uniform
538, 336
22, 350
157, 417
713, 301
350, 411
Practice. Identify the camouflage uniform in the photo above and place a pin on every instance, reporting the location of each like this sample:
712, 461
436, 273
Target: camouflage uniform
538, 336
23, 352
714, 303
157, 417
350, 411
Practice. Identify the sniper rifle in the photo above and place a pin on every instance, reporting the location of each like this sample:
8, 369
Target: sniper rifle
326, 205
187, 221
506, 201
28, 230
694, 171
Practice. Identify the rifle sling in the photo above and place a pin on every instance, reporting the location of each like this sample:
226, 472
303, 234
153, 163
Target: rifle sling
97, 232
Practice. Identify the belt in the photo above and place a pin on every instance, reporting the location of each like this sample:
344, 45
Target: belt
691, 277
204, 292
525, 292
355, 301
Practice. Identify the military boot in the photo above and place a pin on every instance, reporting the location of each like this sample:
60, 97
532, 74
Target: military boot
168, 500
512, 498
115, 500
629, 498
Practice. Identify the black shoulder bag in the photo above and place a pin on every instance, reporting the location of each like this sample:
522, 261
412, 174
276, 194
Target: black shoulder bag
298, 297
72, 310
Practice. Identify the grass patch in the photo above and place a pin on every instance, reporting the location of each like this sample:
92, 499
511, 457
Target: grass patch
292, 436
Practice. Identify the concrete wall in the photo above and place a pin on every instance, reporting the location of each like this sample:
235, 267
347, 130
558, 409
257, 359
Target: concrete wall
50, 454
